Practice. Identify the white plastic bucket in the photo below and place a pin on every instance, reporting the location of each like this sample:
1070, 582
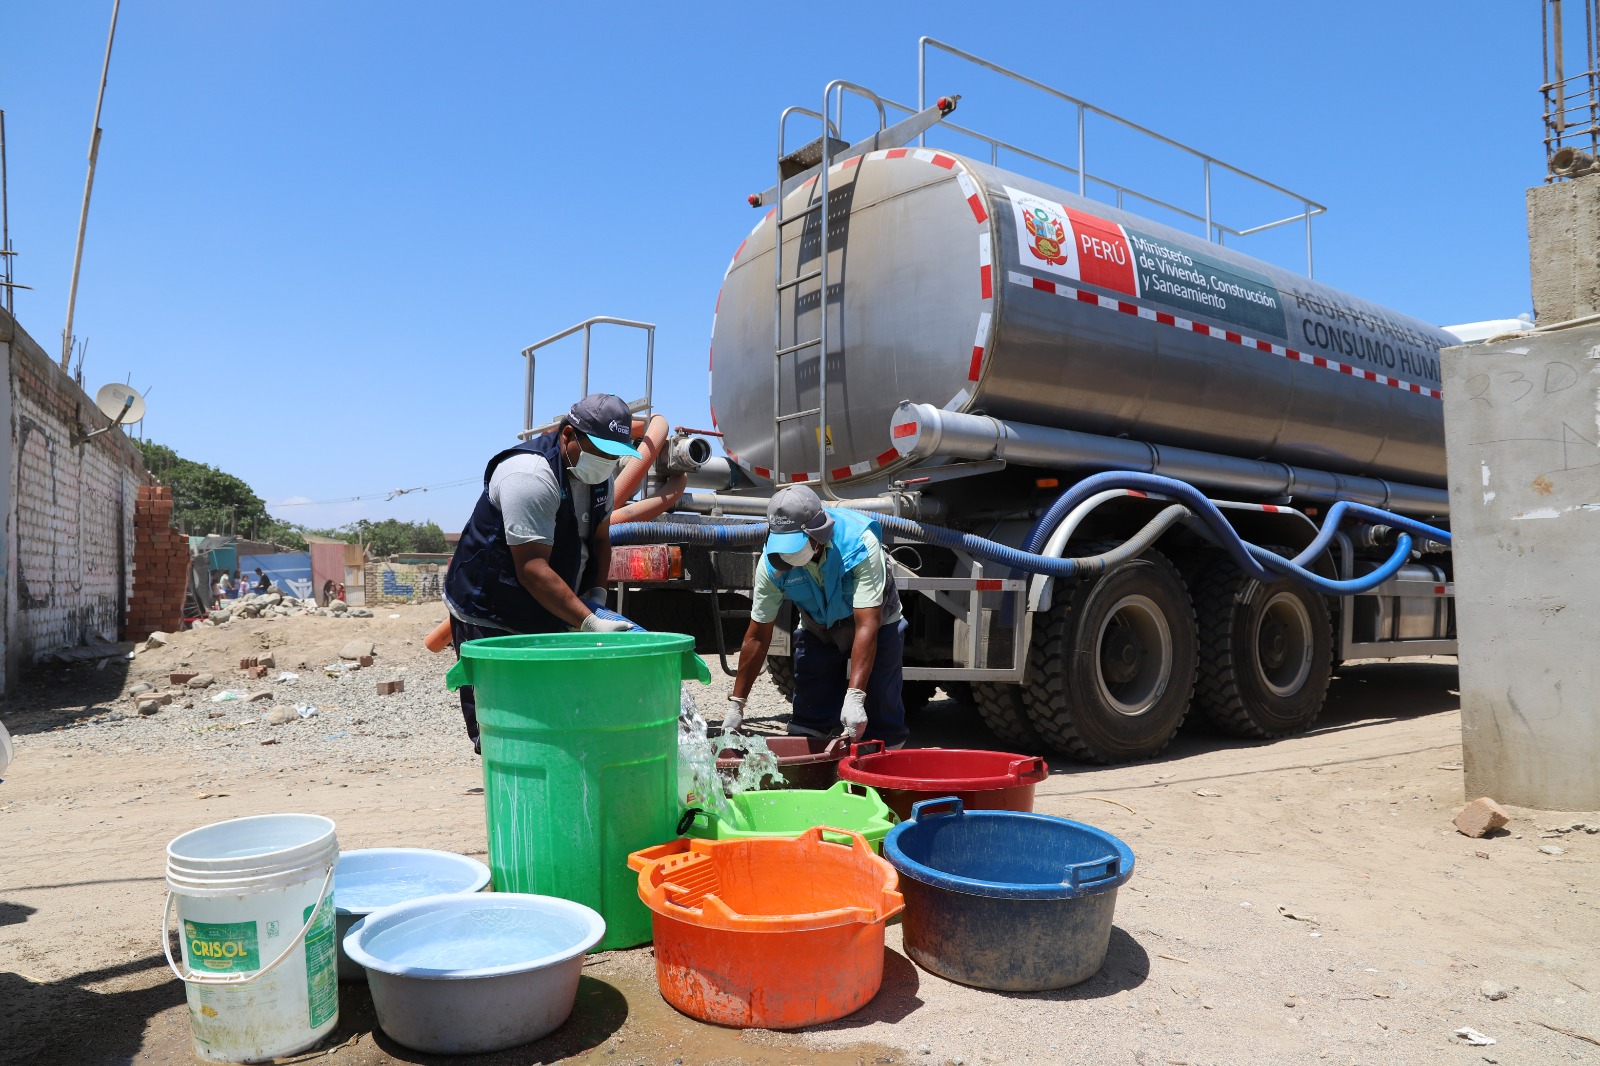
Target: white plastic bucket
255, 910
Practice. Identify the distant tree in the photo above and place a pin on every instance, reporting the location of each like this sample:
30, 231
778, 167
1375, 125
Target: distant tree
429, 538
205, 499
392, 536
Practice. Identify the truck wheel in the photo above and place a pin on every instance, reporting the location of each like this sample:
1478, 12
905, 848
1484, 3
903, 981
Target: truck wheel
1266, 653
916, 694
781, 669
1114, 663
1001, 708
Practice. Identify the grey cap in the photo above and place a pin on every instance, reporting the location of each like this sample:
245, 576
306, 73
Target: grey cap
606, 421
793, 514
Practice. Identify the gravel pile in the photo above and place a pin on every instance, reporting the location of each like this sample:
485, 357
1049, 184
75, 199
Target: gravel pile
316, 703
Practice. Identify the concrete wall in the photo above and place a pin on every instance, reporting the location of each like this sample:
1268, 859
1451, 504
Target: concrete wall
1564, 248
1522, 431
68, 510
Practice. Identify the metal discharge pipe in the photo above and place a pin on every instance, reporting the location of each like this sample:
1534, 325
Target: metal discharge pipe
923, 431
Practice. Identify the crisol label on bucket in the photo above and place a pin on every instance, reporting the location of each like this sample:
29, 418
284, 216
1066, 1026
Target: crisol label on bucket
226, 948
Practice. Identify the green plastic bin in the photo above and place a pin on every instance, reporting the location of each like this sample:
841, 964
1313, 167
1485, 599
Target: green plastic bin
580, 761
846, 805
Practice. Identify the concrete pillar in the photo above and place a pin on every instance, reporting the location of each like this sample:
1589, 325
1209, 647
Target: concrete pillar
1522, 432
1564, 248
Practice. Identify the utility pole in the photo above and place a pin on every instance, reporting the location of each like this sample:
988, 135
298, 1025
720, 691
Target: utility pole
88, 187
6, 254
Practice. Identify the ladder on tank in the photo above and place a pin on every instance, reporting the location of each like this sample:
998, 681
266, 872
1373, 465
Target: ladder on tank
817, 155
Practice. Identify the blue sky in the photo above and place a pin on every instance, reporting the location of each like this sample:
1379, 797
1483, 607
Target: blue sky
321, 232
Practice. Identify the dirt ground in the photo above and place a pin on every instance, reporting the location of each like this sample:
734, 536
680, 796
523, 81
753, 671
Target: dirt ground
1299, 901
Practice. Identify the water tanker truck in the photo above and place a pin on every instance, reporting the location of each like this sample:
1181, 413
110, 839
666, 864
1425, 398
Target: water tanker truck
1127, 471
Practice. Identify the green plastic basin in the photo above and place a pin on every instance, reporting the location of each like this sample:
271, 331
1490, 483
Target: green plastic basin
846, 805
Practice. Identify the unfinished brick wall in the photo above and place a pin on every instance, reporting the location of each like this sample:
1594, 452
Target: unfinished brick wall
69, 509
160, 566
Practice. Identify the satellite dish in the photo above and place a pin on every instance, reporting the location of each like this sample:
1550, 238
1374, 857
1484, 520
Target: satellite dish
120, 403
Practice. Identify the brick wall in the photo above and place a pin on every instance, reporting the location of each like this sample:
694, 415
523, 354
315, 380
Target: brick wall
160, 566
69, 510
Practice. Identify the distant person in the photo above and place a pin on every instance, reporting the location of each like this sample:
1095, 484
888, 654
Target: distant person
240, 584
224, 585
263, 584
327, 592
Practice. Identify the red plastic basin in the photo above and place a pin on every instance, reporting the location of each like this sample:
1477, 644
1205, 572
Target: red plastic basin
985, 780
805, 762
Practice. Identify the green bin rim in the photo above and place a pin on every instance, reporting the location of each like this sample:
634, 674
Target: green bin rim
533, 647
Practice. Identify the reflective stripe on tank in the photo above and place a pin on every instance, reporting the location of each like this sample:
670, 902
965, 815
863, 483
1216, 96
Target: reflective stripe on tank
972, 193
1166, 318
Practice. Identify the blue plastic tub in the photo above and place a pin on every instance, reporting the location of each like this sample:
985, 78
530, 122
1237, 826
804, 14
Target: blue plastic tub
1006, 900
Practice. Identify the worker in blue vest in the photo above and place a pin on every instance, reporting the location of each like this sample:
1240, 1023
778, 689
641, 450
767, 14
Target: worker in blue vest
850, 637
537, 537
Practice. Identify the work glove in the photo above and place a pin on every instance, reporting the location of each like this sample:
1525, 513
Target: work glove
595, 597
595, 624
733, 717
853, 715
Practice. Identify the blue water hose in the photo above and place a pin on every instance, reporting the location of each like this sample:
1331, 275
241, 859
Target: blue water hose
1254, 561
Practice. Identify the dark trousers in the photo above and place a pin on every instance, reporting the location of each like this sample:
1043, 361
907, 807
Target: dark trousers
460, 633
822, 673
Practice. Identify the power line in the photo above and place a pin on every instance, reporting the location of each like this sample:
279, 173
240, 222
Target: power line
385, 495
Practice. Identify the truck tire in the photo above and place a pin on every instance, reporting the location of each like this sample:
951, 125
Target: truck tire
1001, 708
914, 695
781, 669
1266, 653
1113, 664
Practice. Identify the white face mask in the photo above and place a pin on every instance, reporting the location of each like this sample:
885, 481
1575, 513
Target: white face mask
592, 469
801, 557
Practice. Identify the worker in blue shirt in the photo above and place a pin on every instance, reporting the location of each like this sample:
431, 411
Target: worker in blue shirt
849, 643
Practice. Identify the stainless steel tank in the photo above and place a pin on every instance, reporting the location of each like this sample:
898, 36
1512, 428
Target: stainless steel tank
954, 283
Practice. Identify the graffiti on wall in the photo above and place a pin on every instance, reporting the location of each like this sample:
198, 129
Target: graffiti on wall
403, 582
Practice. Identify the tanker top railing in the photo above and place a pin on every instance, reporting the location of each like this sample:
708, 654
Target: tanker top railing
529, 354
1214, 229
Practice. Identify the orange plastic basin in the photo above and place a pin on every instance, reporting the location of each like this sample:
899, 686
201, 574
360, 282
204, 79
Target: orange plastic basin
768, 933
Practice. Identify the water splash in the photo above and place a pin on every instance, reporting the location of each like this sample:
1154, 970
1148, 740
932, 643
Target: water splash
757, 765
700, 783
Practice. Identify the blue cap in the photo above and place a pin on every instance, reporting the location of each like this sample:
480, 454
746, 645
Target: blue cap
607, 422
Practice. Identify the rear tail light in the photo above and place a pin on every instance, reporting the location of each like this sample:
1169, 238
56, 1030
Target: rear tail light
646, 562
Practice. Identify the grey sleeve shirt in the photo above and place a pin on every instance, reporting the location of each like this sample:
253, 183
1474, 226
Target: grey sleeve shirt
528, 495
525, 490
